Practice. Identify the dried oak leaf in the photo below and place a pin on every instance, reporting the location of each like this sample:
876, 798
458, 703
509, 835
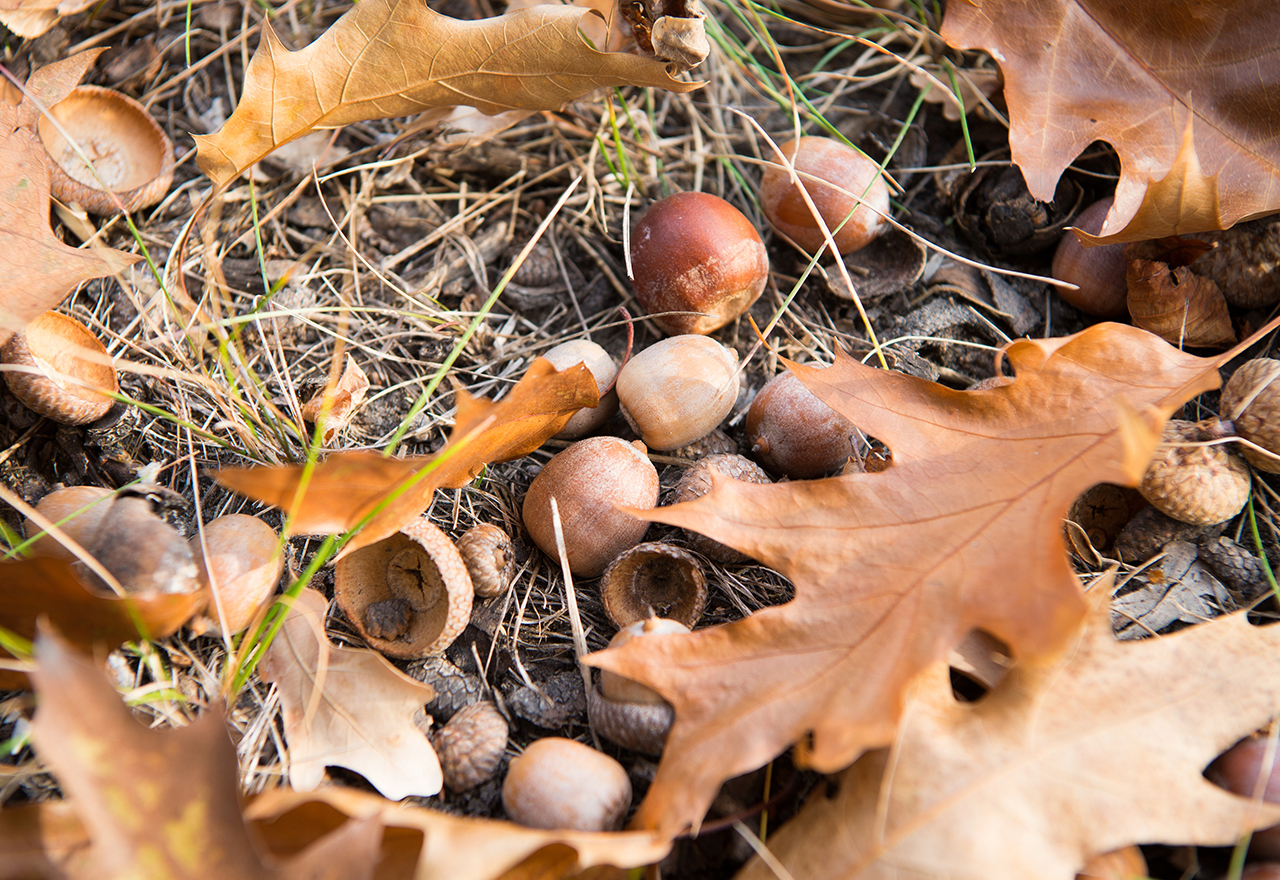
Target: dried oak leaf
344, 488
893, 569
388, 58
49, 588
347, 707
1184, 91
37, 269
1099, 746
155, 804
427, 844
31, 18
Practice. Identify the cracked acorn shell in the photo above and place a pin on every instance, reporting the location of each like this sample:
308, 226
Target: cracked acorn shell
1200, 485
1251, 401
654, 580
408, 595
128, 148
626, 712
71, 377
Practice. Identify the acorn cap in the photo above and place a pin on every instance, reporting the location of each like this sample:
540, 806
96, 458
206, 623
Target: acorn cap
490, 560
409, 595
1196, 484
128, 148
70, 374
641, 727
654, 580
696, 482
470, 745
1251, 401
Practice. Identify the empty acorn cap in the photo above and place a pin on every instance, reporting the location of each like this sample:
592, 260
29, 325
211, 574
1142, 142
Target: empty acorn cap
69, 374
240, 560
654, 580
130, 152
409, 595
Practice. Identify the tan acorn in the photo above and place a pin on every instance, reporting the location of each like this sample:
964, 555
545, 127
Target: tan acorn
1251, 402
678, 390
561, 783
240, 561
1199, 484
77, 511
470, 745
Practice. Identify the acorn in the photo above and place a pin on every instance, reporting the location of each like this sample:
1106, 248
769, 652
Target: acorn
854, 217
654, 580
1099, 273
240, 561
698, 263
603, 369
1196, 484
678, 390
408, 595
68, 375
1251, 402
590, 481
696, 482
626, 712
792, 432
561, 784
77, 511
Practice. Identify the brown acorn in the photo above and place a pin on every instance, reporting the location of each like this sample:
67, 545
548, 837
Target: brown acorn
470, 745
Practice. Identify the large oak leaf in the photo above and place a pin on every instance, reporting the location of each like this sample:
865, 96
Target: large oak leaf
1075, 754
892, 570
36, 269
347, 486
1184, 90
389, 58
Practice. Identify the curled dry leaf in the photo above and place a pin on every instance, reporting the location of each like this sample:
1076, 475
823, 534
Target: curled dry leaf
1175, 304
1183, 90
347, 486
31, 18
37, 269
388, 58
893, 569
332, 409
155, 804
347, 708
1082, 751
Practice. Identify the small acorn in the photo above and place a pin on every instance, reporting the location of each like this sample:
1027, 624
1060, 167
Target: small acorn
590, 481
486, 550
794, 433
559, 783
678, 390
470, 745
1251, 401
603, 369
1196, 484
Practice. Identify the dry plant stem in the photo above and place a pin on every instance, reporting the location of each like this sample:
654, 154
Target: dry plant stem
571, 600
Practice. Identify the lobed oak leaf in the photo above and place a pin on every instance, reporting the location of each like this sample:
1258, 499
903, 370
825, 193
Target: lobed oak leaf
1074, 754
346, 487
892, 570
37, 269
347, 707
154, 804
1183, 90
388, 58
34, 588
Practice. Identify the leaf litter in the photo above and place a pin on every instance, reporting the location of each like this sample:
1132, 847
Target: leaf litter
394, 270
